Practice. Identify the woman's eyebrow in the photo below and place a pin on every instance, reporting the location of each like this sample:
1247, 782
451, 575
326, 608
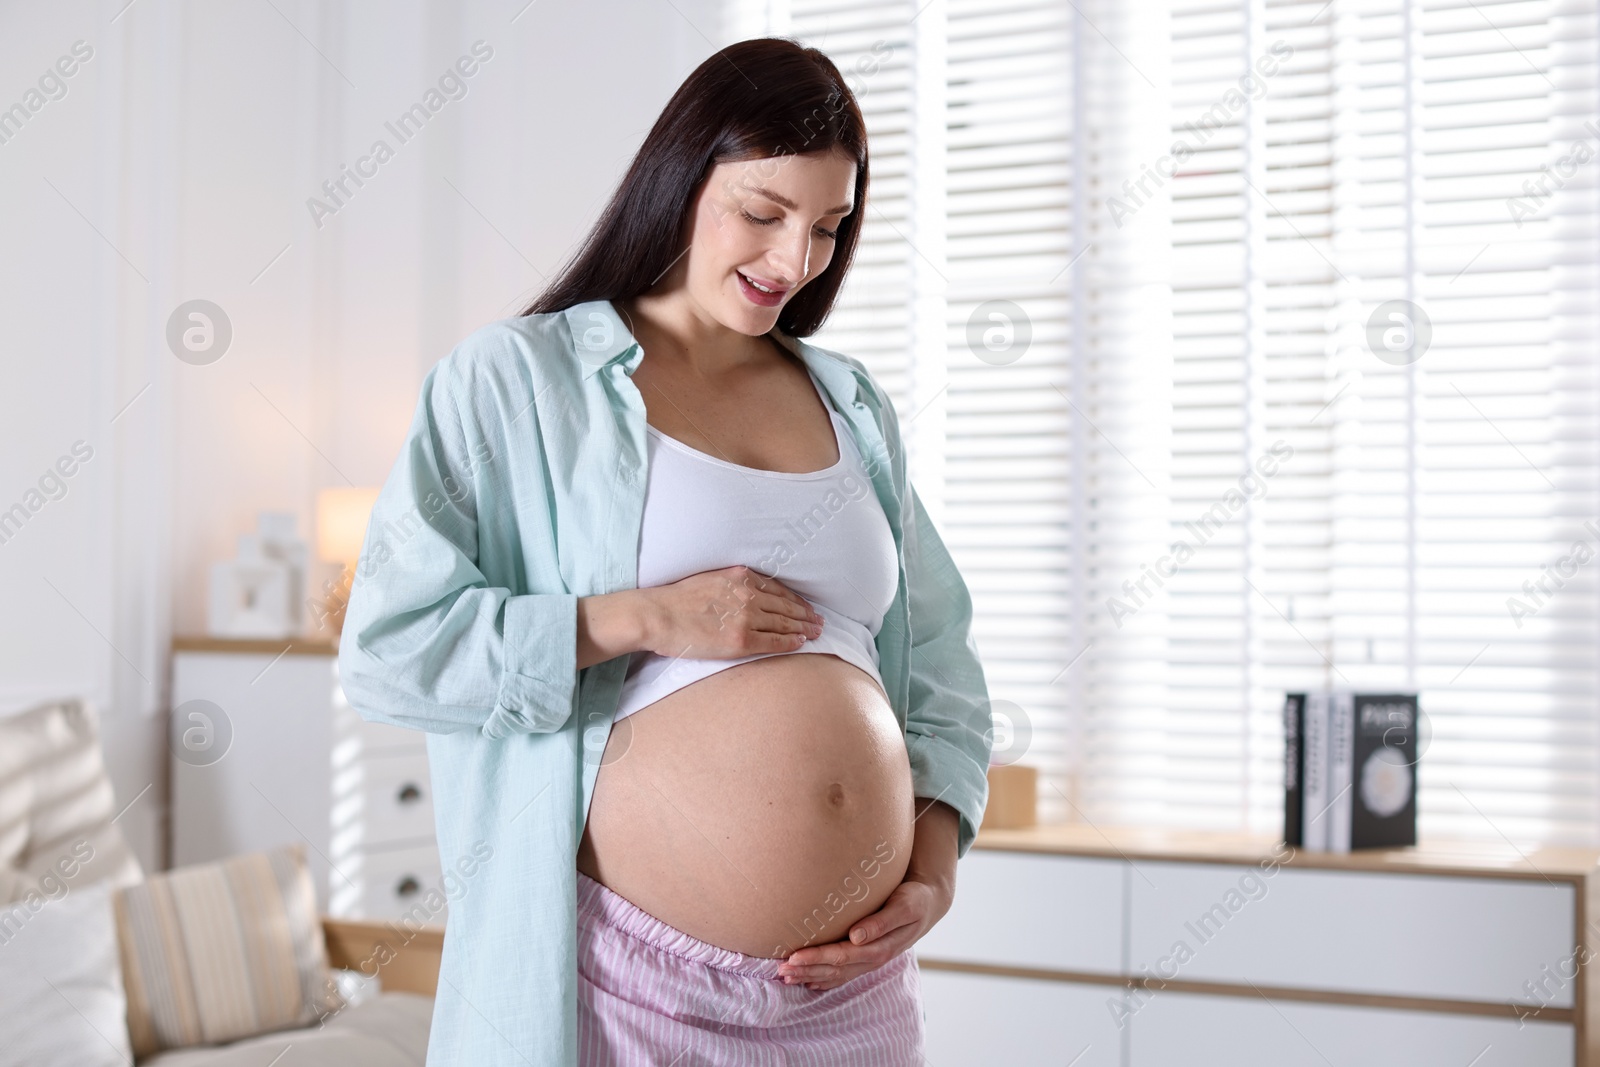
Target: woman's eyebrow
784, 201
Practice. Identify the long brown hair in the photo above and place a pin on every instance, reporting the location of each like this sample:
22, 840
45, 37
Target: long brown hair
768, 96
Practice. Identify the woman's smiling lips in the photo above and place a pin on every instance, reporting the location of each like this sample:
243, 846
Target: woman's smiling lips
756, 296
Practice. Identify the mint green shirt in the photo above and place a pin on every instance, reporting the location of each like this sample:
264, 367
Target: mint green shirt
520, 488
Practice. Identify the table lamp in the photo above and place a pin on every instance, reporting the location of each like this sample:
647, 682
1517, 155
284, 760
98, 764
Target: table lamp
342, 515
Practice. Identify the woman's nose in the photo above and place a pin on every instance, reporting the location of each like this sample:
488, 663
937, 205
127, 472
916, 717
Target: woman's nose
790, 258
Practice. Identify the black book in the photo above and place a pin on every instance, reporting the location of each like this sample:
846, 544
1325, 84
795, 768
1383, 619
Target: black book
1383, 794
1294, 711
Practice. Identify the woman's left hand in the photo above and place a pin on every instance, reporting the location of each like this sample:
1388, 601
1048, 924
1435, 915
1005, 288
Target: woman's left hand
917, 903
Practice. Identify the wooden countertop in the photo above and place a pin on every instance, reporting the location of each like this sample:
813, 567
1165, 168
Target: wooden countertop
1463, 858
272, 646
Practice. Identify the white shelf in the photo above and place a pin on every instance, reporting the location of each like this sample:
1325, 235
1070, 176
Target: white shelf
1145, 948
302, 765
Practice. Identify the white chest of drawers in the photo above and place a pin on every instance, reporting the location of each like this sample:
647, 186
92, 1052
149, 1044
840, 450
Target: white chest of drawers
1066, 945
266, 751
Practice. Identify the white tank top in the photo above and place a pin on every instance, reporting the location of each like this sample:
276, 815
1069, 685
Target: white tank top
822, 533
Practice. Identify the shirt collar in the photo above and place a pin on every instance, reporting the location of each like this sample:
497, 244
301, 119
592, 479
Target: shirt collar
600, 338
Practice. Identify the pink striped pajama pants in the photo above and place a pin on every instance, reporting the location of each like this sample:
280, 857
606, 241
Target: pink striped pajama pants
649, 995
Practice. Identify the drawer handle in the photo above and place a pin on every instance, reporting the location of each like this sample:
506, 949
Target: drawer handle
408, 886
409, 793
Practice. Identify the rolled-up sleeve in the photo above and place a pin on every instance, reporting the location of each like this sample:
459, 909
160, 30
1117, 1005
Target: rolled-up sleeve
949, 728
428, 642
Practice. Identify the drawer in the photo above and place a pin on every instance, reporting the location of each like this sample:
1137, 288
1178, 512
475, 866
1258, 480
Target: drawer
1198, 1031
397, 798
398, 882
981, 1020
1438, 936
1032, 910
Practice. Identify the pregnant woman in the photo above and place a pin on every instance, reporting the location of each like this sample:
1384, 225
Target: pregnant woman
650, 574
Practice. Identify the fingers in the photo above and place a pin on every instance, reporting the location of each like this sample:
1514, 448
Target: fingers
773, 607
836, 954
781, 629
785, 616
886, 921
765, 628
889, 930
748, 613
758, 582
827, 972
838, 978
841, 962
764, 641
842, 953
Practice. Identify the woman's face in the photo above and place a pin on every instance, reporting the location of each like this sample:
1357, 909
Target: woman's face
765, 223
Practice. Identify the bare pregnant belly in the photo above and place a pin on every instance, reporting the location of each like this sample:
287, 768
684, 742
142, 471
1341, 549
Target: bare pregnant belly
760, 809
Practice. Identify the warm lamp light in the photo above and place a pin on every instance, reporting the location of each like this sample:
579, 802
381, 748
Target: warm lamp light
342, 516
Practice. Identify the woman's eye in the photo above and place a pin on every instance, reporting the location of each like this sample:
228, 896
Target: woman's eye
829, 234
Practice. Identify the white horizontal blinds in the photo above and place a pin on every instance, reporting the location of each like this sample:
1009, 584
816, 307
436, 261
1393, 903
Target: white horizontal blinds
1304, 121
1254, 110
1121, 414
925, 427
872, 45
1059, 353
1392, 143
1009, 514
1429, 152
1048, 481
1575, 340
1219, 243
1471, 470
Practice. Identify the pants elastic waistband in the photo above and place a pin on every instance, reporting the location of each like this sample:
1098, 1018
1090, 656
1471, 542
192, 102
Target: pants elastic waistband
598, 904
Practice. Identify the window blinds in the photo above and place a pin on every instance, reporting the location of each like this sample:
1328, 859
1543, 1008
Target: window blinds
1141, 278
1466, 473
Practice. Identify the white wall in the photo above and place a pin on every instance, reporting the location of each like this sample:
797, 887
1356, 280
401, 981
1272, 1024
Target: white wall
177, 166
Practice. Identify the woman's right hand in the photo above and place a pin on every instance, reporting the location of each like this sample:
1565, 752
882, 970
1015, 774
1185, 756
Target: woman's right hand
728, 614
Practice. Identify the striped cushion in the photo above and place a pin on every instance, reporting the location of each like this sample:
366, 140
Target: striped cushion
57, 806
215, 952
